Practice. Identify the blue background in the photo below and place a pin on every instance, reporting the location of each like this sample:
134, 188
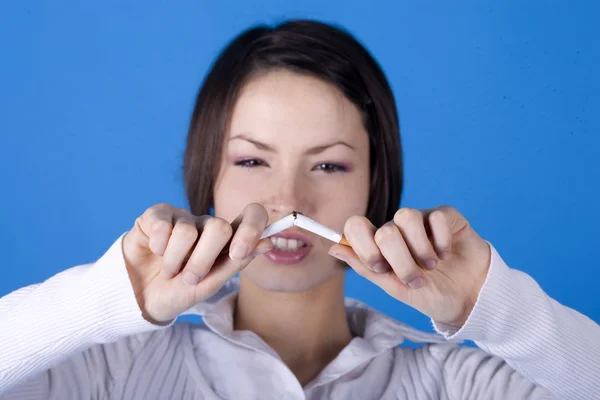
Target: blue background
498, 104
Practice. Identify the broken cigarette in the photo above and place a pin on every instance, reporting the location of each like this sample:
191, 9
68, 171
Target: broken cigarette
301, 221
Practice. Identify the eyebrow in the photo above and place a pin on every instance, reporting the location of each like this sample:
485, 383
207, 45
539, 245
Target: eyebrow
311, 151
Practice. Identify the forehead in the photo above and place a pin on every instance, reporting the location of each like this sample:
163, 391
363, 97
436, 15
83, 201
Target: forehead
284, 103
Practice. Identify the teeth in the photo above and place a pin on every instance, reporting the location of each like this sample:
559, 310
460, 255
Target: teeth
292, 244
282, 244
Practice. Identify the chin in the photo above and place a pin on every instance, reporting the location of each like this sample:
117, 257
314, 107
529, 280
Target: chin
299, 277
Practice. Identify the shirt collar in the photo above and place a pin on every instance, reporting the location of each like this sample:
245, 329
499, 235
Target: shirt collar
375, 332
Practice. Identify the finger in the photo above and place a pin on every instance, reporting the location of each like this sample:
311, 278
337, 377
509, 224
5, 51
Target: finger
387, 281
215, 233
441, 235
226, 268
360, 233
181, 242
156, 223
248, 228
411, 225
396, 252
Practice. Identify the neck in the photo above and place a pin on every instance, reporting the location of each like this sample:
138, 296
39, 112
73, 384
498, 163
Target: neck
307, 329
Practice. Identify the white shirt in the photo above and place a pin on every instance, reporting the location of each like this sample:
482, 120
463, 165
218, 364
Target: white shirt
81, 335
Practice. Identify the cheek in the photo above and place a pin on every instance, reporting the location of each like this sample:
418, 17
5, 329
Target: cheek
343, 200
233, 192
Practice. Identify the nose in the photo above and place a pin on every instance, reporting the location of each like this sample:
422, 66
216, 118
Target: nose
290, 192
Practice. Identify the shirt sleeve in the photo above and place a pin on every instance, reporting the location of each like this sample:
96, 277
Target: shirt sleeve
551, 344
47, 323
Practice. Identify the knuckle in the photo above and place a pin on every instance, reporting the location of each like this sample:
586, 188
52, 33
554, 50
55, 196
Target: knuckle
186, 230
150, 212
407, 215
161, 207
154, 214
386, 233
437, 217
219, 226
138, 223
354, 222
446, 208
158, 225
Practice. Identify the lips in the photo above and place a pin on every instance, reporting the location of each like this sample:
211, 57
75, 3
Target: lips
289, 247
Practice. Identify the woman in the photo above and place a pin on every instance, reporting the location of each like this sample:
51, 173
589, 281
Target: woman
295, 118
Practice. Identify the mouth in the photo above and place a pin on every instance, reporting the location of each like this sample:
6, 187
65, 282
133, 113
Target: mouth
289, 247
289, 241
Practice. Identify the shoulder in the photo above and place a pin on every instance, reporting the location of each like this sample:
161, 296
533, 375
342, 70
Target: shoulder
429, 353
178, 333
464, 369
447, 358
110, 367
474, 364
139, 355
152, 347
443, 353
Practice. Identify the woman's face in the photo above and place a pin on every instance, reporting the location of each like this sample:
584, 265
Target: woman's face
294, 143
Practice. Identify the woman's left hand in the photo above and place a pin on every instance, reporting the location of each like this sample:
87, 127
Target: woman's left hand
431, 260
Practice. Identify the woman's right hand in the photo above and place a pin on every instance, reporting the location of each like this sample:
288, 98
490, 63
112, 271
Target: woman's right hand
175, 259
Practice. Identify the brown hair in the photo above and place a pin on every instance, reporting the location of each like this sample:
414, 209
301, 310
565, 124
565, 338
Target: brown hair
306, 47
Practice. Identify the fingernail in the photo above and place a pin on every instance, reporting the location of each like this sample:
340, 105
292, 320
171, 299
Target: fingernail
380, 268
190, 278
238, 251
430, 264
416, 283
443, 255
258, 252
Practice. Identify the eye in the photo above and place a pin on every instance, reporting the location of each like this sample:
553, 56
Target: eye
330, 168
250, 163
